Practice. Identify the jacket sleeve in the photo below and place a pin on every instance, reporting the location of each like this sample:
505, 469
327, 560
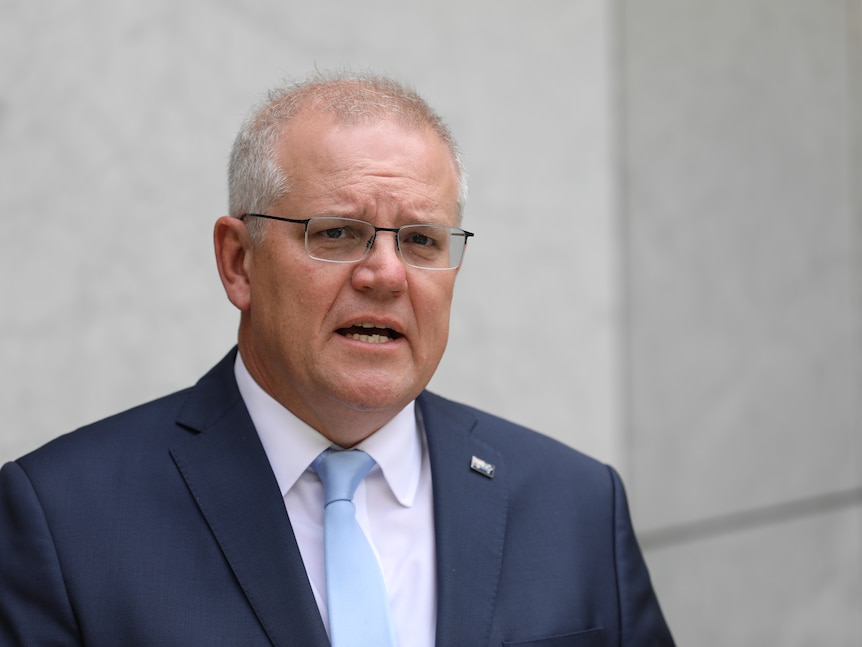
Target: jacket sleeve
34, 605
641, 621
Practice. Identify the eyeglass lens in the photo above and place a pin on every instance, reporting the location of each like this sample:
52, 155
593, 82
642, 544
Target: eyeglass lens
345, 240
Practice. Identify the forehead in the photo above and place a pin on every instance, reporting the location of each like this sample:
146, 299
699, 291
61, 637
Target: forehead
320, 153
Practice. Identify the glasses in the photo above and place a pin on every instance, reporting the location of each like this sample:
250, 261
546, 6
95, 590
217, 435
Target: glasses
347, 240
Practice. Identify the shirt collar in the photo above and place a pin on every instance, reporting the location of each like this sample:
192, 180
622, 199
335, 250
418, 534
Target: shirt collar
291, 445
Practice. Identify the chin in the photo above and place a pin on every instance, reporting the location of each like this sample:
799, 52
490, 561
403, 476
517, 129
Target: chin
378, 396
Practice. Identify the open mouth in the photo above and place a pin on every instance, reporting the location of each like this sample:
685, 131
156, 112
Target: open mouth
369, 333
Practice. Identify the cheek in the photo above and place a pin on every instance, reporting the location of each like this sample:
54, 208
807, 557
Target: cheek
287, 282
280, 302
433, 314
307, 297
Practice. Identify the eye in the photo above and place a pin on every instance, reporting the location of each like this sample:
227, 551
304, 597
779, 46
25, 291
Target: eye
424, 238
420, 240
335, 233
333, 230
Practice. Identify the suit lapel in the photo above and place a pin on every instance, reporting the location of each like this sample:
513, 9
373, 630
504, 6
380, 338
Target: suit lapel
226, 470
470, 521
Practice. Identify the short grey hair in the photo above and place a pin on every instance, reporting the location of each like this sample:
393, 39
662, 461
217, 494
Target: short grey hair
255, 178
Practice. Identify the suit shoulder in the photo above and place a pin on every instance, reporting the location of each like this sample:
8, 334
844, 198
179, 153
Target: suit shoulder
147, 427
513, 440
126, 432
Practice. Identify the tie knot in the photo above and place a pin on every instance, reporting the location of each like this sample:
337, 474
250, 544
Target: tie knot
341, 472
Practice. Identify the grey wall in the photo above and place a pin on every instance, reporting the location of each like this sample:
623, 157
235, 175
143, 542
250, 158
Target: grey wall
741, 124
115, 124
666, 196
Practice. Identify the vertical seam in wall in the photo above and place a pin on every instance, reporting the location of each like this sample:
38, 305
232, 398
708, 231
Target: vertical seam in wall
620, 213
853, 21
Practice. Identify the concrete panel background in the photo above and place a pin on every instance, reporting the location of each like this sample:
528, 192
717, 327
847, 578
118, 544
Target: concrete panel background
116, 118
666, 196
740, 129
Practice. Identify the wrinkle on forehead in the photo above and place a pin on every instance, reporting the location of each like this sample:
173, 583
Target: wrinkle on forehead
363, 168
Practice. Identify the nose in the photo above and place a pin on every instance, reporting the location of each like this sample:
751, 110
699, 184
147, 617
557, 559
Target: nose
382, 269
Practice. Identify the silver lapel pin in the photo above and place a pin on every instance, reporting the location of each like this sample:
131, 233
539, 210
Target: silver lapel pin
484, 468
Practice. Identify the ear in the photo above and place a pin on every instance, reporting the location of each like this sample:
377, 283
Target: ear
233, 251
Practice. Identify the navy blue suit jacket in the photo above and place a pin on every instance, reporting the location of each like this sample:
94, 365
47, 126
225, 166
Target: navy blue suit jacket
164, 525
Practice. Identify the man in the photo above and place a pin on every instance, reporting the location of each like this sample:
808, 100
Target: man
198, 519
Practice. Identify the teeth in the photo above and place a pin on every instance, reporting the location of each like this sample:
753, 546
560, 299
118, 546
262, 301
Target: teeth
371, 339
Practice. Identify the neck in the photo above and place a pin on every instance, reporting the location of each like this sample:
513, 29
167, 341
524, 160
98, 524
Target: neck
347, 427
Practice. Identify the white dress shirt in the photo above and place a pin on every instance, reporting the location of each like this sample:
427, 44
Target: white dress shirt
393, 505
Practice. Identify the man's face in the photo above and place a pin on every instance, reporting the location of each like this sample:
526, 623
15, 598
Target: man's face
300, 335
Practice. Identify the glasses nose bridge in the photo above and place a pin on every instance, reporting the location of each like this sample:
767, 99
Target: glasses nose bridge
373, 238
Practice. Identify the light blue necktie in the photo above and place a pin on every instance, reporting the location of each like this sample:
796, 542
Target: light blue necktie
356, 594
